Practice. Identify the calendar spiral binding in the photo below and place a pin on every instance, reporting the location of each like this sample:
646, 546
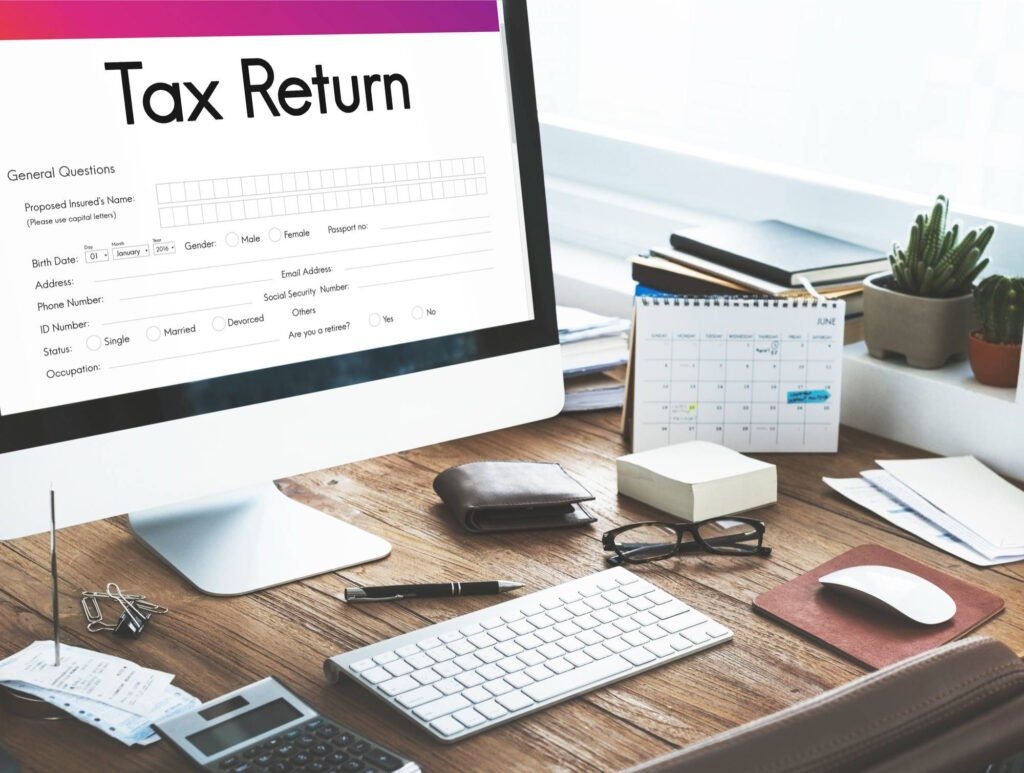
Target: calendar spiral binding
740, 301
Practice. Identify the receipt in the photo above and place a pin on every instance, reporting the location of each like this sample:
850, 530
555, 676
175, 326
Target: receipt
87, 674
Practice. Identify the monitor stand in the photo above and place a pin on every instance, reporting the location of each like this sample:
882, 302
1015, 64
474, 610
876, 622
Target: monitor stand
252, 538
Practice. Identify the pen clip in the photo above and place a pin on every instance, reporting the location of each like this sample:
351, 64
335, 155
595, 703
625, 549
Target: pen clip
366, 599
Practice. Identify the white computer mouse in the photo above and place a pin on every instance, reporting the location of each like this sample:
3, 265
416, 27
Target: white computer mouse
902, 592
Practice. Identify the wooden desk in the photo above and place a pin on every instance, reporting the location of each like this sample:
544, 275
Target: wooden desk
215, 645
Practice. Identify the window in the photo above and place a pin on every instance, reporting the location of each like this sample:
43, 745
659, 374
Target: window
910, 98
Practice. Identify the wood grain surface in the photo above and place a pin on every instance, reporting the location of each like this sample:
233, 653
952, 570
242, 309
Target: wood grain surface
214, 645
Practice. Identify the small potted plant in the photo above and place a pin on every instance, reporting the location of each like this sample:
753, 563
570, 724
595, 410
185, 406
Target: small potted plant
923, 309
994, 349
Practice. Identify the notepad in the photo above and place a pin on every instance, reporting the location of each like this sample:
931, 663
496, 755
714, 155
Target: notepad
752, 374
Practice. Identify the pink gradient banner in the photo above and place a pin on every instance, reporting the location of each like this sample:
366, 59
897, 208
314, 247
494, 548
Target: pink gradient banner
96, 19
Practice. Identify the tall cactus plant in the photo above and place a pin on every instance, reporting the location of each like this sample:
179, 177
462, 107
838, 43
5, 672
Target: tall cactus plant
936, 262
999, 301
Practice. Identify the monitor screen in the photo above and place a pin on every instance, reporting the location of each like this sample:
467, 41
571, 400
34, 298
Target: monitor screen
208, 205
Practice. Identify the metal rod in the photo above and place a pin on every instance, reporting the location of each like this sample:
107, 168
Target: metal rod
53, 577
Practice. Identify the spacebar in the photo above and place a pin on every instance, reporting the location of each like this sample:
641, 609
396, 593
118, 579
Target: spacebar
578, 678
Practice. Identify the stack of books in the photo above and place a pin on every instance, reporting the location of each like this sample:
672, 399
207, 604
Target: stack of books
594, 352
767, 257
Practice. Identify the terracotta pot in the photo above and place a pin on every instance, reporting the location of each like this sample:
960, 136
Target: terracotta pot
997, 365
928, 332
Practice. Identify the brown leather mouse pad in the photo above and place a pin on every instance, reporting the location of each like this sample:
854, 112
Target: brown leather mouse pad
873, 637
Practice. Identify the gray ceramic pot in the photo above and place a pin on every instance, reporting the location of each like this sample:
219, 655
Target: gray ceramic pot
928, 332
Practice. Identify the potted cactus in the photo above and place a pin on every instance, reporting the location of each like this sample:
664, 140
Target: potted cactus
922, 309
994, 349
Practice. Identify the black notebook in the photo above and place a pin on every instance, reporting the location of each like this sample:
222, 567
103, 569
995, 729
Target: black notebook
779, 252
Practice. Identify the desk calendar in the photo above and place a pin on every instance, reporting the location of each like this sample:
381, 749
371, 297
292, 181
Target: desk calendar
753, 374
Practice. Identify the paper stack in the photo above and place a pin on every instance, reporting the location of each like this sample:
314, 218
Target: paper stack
956, 504
111, 694
591, 344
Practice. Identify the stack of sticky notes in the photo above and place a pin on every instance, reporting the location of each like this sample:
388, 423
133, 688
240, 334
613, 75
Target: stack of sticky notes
697, 480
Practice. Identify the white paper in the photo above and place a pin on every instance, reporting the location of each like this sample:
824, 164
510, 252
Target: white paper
918, 504
887, 507
88, 674
969, 492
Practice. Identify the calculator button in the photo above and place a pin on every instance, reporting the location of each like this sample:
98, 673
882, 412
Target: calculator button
328, 731
354, 766
316, 767
291, 735
305, 742
314, 724
245, 767
278, 767
337, 758
383, 760
359, 747
285, 751
230, 762
321, 749
250, 753
300, 759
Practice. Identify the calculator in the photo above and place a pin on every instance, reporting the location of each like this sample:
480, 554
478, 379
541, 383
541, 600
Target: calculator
265, 728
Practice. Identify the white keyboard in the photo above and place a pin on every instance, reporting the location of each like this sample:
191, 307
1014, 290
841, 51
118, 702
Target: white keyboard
466, 675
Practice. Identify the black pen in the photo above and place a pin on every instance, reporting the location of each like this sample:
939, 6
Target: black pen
431, 590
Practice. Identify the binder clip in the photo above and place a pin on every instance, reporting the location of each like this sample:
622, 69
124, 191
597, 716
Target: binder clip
135, 615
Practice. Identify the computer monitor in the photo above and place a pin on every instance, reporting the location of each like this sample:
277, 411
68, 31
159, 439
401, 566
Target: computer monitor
245, 240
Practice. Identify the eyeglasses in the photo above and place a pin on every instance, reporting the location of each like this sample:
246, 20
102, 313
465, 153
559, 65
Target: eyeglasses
655, 540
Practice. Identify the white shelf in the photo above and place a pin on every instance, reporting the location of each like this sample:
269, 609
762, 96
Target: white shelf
944, 411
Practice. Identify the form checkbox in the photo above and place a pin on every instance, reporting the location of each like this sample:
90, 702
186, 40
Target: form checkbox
262, 185
206, 189
389, 173
277, 206
163, 194
195, 214
223, 211
274, 183
446, 168
234, 186
209, 213
166, 217
192, 191
291, 205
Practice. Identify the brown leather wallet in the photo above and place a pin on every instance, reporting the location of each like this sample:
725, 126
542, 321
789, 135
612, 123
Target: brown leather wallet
512, 496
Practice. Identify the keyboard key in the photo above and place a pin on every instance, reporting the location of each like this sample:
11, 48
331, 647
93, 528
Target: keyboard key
644, 618
635, 638
560, 615
598, 602
477, 694
519, 679
399, 685
471, 630
551, 651
426, 676
696, 635
447, 668
679, 643
383, 760
529, 641
540, 621
385, 658
680, 622
504, 633
658, 596
419, 660
429, 644
640, 604
587, 621
538, 673
407, 650
532, 609
497, 687
567, 628
511, 617
579, 658
616, 644
576, 679
605, 615
489, 655
447, 726
482, 640
418, 697
441, 654
470, 717
491, 709
531, 657
468, 662
570, 596
492, 622
470, 679
448, 686
653, 631
607, 631
511, 665
550, 604
559, 665
521, 627
671, 609
361, 665
398, 668
376, 675
638, 656
660, 648
450, 636
626, 625
570, 644
598, 651
607, 584
622, 610
638, 589
589, 590
614, 596
515, 701
440, 707
578, 608
715, 630
490, 671
548, 634
590, 637
461, 647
